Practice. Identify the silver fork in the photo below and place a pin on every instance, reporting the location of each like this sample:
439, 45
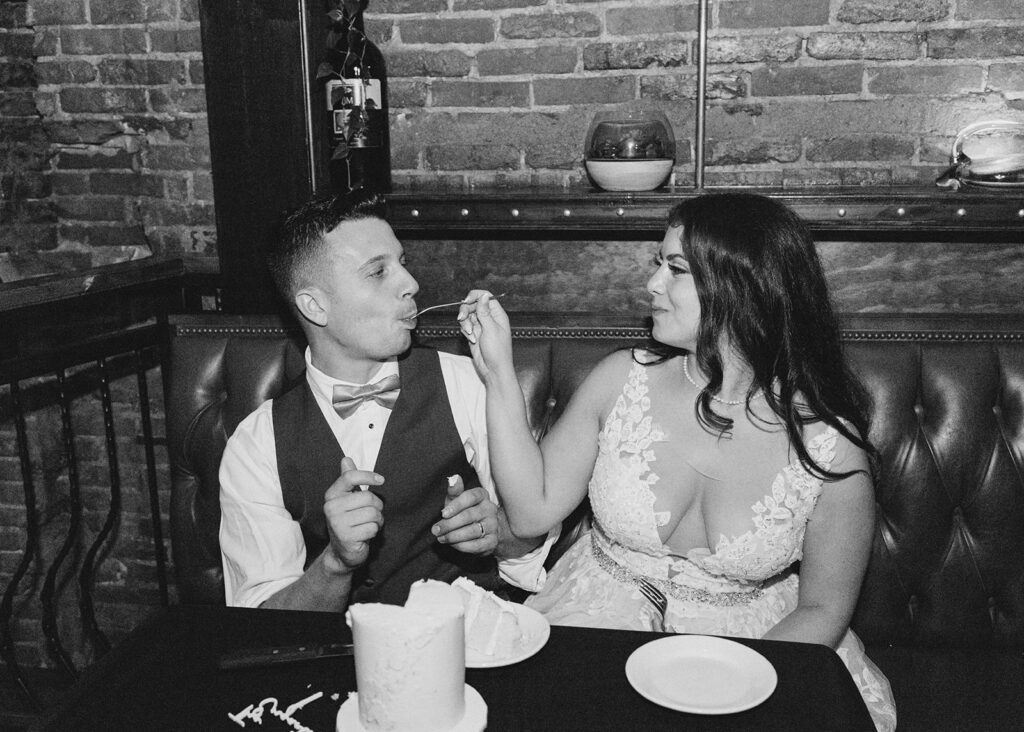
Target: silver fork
655, 596
452, 304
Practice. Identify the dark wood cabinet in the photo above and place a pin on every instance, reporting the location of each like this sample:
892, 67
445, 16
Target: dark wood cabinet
265, 149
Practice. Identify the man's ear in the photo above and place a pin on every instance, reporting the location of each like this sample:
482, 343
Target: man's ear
309, 301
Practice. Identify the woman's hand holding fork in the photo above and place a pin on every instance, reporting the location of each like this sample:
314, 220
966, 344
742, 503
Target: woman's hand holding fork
486, 327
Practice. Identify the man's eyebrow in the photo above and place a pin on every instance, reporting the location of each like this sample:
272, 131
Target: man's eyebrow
373, 262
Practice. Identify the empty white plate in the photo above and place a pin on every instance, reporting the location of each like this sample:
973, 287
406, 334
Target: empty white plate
701, 674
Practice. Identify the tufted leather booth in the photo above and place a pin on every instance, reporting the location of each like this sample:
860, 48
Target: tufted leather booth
942, 607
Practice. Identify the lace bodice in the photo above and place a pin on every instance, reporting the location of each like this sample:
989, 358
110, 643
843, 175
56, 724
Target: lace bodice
623, 502
742, 586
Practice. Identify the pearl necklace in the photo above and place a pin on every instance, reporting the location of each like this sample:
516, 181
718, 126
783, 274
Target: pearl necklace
727, 402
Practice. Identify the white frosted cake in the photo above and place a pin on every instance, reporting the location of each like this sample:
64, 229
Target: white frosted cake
492, 627
411, 661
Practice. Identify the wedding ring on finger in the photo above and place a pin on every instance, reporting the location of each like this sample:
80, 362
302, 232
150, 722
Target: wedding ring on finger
483, 532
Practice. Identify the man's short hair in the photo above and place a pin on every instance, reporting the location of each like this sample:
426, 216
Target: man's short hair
294, 251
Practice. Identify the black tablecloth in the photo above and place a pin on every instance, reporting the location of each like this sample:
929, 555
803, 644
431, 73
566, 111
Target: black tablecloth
164, 677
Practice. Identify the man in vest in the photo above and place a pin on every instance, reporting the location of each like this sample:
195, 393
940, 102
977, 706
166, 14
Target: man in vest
372, 471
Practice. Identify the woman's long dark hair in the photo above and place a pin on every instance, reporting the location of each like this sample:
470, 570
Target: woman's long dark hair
759, 281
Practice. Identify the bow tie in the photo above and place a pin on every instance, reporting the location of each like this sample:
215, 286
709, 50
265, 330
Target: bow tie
346, 399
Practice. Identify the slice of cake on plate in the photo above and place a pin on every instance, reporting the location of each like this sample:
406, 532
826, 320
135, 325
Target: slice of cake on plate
492, 625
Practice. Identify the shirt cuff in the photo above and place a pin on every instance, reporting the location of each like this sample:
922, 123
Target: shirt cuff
256, 595
527, 572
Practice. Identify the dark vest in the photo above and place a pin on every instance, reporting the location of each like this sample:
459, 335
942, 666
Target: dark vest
420, 449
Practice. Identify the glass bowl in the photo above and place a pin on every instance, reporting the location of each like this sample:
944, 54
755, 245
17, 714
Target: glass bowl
629, 150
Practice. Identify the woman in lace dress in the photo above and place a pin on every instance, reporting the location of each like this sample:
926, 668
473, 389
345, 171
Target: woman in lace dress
719, 461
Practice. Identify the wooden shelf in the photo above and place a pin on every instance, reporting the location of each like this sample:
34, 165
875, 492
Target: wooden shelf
70, 285
499, 213
897, 214
150, 276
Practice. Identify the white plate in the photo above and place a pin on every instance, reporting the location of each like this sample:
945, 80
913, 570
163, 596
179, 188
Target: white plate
474, 720
701, 674
536, 630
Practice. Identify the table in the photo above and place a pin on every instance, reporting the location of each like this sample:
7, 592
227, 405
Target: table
163, 677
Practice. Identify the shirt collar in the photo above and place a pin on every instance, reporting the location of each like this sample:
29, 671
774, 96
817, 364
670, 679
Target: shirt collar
323, 385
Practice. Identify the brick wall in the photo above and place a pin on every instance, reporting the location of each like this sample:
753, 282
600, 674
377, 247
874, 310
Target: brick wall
800, 92
104, 155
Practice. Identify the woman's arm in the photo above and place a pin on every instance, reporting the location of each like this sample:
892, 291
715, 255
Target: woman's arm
538, 486
837, 546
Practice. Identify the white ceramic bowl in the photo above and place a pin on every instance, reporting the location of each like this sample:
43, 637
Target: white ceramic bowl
629, 175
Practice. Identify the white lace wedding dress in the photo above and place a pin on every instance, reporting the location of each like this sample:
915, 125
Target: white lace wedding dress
742, 588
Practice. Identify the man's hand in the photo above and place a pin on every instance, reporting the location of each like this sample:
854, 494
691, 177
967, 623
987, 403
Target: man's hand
469, 520
354, 516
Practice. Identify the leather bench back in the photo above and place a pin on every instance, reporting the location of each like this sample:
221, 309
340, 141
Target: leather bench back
948, 559
947, 566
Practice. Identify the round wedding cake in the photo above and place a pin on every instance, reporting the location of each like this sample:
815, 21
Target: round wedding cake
411, 661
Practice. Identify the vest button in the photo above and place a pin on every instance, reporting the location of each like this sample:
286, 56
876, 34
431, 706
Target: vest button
369, 582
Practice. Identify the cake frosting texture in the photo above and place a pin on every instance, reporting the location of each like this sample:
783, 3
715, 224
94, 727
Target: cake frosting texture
410, 661
492, 626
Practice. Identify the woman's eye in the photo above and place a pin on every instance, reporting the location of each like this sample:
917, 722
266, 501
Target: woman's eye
379, 272
657, 260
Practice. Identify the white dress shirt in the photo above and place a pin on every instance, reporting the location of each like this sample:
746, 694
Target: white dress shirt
261, 544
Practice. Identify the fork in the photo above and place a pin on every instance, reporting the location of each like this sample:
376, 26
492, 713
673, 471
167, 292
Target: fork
452, 304
655, 596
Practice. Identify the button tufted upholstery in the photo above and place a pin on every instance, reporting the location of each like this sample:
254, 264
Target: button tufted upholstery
947, 568
948, 561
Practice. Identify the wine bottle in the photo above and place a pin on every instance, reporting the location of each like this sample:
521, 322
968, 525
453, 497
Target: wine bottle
356, 89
